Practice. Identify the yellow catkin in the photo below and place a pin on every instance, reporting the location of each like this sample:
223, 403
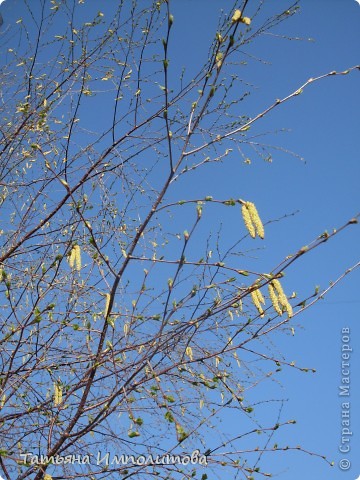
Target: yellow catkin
289, 309
247, 221
77, 254
107, 304
255, 219
236, 17
246, 20
57, 394
72, 258
189, 352
75, 258
256, 302
48, 477
284, 302
279, 290
260, 296
274, 300
219, 59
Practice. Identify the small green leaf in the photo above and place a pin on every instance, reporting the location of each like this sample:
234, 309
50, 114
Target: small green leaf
181, 434
169, 417
245, 273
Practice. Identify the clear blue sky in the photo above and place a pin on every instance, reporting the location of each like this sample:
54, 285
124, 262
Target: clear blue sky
323, 188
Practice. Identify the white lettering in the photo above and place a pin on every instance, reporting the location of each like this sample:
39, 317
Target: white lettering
104, 459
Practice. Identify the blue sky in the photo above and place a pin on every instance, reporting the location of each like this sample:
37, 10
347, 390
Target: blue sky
322, 187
